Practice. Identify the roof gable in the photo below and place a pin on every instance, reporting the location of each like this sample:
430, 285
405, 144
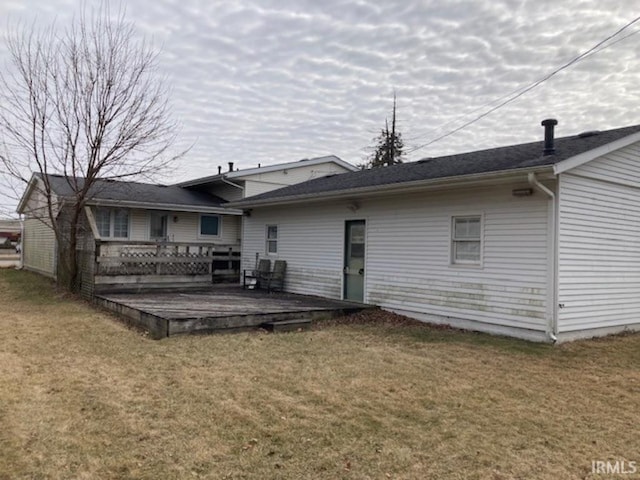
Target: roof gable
582, 158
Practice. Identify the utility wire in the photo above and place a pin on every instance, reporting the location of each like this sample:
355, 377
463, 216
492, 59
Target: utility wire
513, 92
520, 92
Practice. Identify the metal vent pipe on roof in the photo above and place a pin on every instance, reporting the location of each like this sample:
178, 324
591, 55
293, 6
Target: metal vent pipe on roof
549, 147
231, 166
219, 169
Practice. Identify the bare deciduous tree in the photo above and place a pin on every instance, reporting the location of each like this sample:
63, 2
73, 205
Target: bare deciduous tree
84, 102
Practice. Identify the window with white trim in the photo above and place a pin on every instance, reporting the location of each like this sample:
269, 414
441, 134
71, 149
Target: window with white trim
112, 222
209, 225
466, 240
272, 239
158, 226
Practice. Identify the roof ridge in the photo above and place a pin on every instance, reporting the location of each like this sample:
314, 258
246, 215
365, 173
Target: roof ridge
529, 155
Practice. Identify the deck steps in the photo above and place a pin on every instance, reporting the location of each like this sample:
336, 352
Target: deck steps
288, 325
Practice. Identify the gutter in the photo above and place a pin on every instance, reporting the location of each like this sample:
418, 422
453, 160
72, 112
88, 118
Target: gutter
164, 206
552, 326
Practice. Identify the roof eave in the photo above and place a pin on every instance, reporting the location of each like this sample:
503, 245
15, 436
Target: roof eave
164, 206
200, 181
239, 174
404, 187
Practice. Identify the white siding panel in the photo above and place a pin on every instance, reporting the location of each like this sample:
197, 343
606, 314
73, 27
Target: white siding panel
39, 247
408, 260
313, 251
265, 182
184, 227
620, 167
599, 245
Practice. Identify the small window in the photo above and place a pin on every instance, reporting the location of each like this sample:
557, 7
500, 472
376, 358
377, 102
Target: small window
112, 222
158, 222
209, 225
466, 240
120, 224
103, 221
272, 239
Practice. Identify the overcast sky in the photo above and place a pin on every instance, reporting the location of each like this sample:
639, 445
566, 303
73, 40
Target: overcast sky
259, 81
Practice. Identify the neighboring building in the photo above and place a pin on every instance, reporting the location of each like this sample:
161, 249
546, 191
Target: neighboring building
537, 241
132, 220
9, 233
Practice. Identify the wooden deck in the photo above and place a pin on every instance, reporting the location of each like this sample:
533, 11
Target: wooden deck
218, 309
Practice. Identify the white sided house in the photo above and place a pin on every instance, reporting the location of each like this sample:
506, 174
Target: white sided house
538, 241
154, 235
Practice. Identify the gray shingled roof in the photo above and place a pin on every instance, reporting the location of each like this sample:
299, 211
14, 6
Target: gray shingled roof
522, 156
135, 192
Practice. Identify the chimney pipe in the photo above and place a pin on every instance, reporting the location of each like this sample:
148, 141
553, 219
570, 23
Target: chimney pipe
231, 166
219, 169
548, 124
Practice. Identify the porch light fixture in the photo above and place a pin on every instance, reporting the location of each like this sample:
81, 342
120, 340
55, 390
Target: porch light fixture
522, 192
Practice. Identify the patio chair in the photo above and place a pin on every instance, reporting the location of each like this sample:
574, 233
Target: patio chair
254, 276
274, 280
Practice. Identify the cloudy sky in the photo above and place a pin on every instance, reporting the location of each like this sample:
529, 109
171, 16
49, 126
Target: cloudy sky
269, 81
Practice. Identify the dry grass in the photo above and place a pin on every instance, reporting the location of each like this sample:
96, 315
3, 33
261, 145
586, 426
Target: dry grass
83, 397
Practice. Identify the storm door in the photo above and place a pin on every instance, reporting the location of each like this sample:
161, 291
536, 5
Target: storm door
354, 247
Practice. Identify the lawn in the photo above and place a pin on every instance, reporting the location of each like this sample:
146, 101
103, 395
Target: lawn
83, 397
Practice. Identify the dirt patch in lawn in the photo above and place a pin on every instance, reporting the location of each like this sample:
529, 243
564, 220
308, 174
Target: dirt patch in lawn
371, 396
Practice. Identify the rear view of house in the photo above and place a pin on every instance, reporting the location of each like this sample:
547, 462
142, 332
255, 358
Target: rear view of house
538, 240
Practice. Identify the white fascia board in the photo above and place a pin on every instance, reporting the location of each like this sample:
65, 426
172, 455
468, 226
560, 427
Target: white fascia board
290, 165
27, 193
487, 178
585, 157
200, 181
164, 206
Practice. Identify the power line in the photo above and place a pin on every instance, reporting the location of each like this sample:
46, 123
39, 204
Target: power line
520, 92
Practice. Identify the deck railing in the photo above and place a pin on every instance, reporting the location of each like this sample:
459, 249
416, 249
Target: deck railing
166, 258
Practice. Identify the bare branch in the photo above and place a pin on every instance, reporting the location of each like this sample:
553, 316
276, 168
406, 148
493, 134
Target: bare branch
86, 103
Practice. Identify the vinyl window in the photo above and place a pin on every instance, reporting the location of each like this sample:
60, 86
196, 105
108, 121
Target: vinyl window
466, 240
272, 239
158, 226
209, 225
112, 222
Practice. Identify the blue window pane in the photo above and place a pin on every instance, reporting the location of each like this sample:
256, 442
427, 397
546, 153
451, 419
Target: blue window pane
209, 225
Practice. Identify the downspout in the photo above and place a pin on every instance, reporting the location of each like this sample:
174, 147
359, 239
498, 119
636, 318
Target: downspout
552, 327
228, 182
20, 216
